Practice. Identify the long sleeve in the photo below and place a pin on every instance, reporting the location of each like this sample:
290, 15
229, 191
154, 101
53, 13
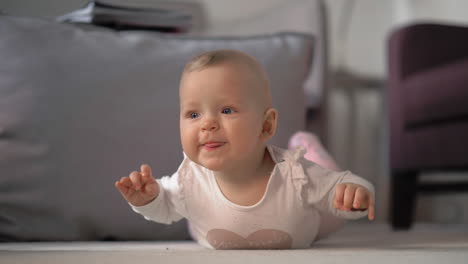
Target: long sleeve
317, 188
168, 207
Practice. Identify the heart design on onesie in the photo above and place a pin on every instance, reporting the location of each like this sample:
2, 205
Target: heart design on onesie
261, 239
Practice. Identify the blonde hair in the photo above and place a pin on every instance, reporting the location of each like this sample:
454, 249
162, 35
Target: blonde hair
219, 57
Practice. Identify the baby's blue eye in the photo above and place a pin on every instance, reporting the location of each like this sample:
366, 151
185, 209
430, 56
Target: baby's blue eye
227, 111
194, 115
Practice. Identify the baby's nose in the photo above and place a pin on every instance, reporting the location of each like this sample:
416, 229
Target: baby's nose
210, 125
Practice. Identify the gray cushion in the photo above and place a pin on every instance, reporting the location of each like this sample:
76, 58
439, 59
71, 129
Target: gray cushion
80, 108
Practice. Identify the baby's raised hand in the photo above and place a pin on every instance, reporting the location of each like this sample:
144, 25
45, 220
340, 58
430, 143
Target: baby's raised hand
139, 188
354, 197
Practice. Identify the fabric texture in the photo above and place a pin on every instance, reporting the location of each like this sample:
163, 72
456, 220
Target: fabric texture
82, 107
288, 215
438, 95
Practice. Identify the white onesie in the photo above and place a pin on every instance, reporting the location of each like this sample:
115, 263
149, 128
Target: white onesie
298, 194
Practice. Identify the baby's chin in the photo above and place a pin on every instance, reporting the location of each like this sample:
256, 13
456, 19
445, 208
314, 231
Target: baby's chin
213, 165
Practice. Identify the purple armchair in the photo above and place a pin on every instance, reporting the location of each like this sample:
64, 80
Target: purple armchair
428, 108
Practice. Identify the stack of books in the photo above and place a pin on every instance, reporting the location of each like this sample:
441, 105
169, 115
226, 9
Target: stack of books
170, 17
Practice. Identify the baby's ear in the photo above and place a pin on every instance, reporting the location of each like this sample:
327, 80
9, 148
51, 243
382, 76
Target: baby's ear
270, 121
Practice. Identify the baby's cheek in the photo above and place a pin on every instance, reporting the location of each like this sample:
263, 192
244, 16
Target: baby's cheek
189, 141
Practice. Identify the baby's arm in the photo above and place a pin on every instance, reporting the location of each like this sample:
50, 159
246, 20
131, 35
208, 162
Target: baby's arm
328, 191
156, 200
139, 188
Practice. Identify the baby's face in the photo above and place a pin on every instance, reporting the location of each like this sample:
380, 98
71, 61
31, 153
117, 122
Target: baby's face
220, 116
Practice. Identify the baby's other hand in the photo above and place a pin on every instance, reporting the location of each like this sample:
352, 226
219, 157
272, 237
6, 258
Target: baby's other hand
139, 188
354, 197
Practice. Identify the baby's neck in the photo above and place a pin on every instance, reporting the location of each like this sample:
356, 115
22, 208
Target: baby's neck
246, 185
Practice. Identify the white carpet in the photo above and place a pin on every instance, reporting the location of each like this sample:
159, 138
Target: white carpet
357, 243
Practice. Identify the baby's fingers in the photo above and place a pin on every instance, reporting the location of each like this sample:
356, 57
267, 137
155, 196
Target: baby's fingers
371, 213
339, 196
146, 173
120, 187
146, 170
136, 179
348, 199
361, 199
364, 200
124, 186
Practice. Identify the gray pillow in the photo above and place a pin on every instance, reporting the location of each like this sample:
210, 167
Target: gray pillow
80, 108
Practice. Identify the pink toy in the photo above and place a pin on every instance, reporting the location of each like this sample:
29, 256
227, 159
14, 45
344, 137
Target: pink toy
315, 150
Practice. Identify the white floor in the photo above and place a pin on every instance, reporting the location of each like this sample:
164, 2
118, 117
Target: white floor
357, 243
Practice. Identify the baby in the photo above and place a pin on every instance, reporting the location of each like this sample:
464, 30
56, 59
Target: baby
236, 191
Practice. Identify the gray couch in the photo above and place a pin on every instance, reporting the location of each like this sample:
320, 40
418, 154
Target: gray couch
82, 107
